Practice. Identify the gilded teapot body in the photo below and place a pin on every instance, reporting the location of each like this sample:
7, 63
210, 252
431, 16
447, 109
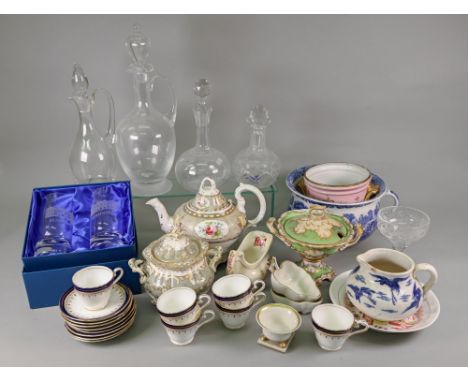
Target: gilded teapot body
174, 260
210, 216
384, 286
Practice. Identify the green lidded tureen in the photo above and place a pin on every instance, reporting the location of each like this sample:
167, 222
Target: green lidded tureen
315, 234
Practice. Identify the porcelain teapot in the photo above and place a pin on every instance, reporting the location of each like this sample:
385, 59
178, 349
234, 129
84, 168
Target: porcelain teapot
210, 216
384, 285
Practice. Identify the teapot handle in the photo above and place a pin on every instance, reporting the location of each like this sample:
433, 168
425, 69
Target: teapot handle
241, 202
214, 256
171, 114
433, 276
110, 134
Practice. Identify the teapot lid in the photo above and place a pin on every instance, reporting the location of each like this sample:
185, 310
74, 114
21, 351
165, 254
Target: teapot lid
315, 227
177, 248
209, 201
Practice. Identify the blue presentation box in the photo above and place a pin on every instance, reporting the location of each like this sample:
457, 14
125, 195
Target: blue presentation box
47, 277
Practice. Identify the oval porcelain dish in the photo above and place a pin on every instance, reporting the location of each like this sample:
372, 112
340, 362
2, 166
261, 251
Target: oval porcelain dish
294, 283
303, 307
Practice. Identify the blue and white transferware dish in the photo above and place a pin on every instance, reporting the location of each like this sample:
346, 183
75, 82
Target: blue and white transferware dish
422, 319
384, 285
363, 213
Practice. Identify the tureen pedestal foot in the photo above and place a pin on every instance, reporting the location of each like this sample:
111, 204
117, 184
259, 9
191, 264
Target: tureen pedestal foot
318, 269
151, 189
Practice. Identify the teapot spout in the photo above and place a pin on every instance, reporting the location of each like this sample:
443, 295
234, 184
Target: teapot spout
166, 221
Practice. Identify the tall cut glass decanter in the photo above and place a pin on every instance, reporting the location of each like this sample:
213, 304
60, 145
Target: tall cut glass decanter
256, 164
202, 160
92, 158
146, 140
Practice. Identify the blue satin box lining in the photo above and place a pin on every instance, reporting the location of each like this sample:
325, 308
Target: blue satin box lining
78, 200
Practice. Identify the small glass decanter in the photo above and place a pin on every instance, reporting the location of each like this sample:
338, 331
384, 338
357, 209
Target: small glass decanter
256, 164
56, 228
202, 160
92, 158
106, 219
146, 141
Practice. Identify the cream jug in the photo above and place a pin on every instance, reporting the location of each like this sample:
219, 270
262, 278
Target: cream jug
384, 285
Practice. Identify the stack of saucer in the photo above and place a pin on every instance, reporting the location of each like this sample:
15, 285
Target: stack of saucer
98, 325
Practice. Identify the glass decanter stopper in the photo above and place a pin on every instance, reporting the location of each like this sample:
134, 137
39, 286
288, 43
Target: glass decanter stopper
256, 164
56, 228
202, 160
106, 219
146, 140
92, 158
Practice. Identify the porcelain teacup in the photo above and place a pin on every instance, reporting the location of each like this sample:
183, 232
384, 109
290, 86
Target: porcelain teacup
180, 306
237, 291
94, 285
278, 321
183, 335
236, 319
333, 325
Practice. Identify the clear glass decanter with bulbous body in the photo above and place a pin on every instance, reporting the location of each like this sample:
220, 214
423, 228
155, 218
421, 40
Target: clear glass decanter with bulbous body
92, 158
146, 140
256, 164
202, 160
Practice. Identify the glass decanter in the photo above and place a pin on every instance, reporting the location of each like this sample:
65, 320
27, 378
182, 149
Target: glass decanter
106, 219
56, 228
256, 164
146, 140
92, 158
202, 160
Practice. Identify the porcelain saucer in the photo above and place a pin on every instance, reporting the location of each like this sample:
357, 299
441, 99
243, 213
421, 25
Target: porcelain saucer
422, 319
72, 306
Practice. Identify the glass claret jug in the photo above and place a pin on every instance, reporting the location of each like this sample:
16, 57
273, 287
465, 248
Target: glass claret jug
257, 165
146, 140
92, 158
202, 160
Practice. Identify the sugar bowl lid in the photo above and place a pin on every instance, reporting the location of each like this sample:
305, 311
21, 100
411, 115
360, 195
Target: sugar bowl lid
315, 227
176, 249
209, 201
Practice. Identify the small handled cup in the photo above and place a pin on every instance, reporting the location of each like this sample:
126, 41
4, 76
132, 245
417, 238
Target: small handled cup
180, 306
333, 325
94, 285
183, 335
236, 319
236, 291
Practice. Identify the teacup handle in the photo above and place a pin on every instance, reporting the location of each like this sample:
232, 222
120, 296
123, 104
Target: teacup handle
433, 276
207, 316
202, 304
361, 327
258, 286
118, 273
258, 299
394, 196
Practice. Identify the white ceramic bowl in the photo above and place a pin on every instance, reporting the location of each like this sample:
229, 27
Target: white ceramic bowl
303, 307
278, 321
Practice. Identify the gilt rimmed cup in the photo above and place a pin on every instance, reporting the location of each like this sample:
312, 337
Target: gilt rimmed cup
184, 335
236, 291
180, 306
334, 324
278, 321
236, 319
94, 285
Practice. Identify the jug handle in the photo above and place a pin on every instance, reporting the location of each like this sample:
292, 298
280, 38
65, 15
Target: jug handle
273, 264
171, 114
110, 134
433, 275
241, 202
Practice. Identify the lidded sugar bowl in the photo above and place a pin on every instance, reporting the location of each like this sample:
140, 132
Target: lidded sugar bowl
315, 234
210, 216
176, 259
